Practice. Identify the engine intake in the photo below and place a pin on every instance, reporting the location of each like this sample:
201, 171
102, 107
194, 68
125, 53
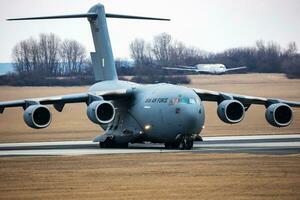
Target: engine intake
37, 116
231, 111
101, 112
279, 115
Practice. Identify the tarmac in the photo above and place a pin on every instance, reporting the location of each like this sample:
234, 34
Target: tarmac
256, 144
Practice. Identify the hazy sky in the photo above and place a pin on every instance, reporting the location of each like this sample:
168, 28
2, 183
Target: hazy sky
211, 25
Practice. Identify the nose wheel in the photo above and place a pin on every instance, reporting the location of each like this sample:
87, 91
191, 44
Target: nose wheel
185, 143
110, 143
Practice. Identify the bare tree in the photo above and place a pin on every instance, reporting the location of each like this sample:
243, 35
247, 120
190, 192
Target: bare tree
48, 56
49, 52
137, 51
26, 56
291, 50
73, 56
161, 48
20, 57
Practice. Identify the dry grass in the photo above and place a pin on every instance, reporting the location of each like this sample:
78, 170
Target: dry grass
73, 124
151, 176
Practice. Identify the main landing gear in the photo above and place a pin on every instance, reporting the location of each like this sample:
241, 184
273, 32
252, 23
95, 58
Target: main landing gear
110, 143
184, 143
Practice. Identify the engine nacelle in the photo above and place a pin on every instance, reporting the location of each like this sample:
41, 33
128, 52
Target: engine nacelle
279, 115
37, 116
101, 112
231, 111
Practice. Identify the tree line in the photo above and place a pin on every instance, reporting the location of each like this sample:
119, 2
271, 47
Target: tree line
49, 60
49, 56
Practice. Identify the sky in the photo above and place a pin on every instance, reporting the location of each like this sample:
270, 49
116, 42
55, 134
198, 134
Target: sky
210, 25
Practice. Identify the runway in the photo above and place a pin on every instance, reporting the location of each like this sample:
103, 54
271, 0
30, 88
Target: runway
260, 144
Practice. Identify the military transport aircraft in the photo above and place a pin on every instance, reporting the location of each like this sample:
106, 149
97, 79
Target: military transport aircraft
206, 68
132, 113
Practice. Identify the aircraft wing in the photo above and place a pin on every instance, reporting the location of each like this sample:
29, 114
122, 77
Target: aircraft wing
185, 68
236, 68
59, 101
207, 95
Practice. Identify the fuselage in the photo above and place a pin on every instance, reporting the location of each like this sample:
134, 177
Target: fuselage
157, 112
211, 68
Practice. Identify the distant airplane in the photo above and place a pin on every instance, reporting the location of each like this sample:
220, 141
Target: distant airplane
136, 113
206, 68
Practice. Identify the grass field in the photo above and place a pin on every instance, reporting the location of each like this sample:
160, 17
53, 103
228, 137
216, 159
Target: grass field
73, 124
151, 176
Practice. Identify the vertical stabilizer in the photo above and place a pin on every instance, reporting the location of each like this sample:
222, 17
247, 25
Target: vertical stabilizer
102, 58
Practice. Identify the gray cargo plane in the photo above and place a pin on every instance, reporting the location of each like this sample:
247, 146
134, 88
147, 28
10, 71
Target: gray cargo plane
132, 113
206, 68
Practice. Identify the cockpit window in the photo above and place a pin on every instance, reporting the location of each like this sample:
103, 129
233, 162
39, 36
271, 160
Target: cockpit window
184, 100
192, 101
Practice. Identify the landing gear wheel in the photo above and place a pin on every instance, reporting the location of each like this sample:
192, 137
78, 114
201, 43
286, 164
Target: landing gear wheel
181, 145
189, 144
108, 143
102, 145
112, 144
198, 138
186, 143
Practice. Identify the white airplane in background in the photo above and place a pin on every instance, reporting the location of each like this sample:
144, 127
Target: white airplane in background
206, 68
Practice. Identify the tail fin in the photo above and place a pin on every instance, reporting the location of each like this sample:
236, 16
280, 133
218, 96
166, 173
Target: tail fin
102, 58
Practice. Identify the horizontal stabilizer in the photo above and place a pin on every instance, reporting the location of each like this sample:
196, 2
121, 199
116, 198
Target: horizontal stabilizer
108, 15
88, 15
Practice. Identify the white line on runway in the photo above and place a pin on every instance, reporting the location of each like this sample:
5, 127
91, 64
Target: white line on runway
251, 137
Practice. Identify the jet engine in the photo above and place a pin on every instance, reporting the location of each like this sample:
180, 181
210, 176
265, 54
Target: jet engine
37, 116
101, 112
231, 111
279, 115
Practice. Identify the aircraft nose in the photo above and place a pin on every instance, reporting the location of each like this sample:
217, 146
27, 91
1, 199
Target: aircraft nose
191, 118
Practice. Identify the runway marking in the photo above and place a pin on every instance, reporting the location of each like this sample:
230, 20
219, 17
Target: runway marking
274, 144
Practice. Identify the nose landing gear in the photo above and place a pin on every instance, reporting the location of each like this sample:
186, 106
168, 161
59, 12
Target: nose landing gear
183, 143
111, 143
186, 143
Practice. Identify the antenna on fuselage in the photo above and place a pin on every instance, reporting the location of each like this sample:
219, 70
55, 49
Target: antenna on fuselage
102, 58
